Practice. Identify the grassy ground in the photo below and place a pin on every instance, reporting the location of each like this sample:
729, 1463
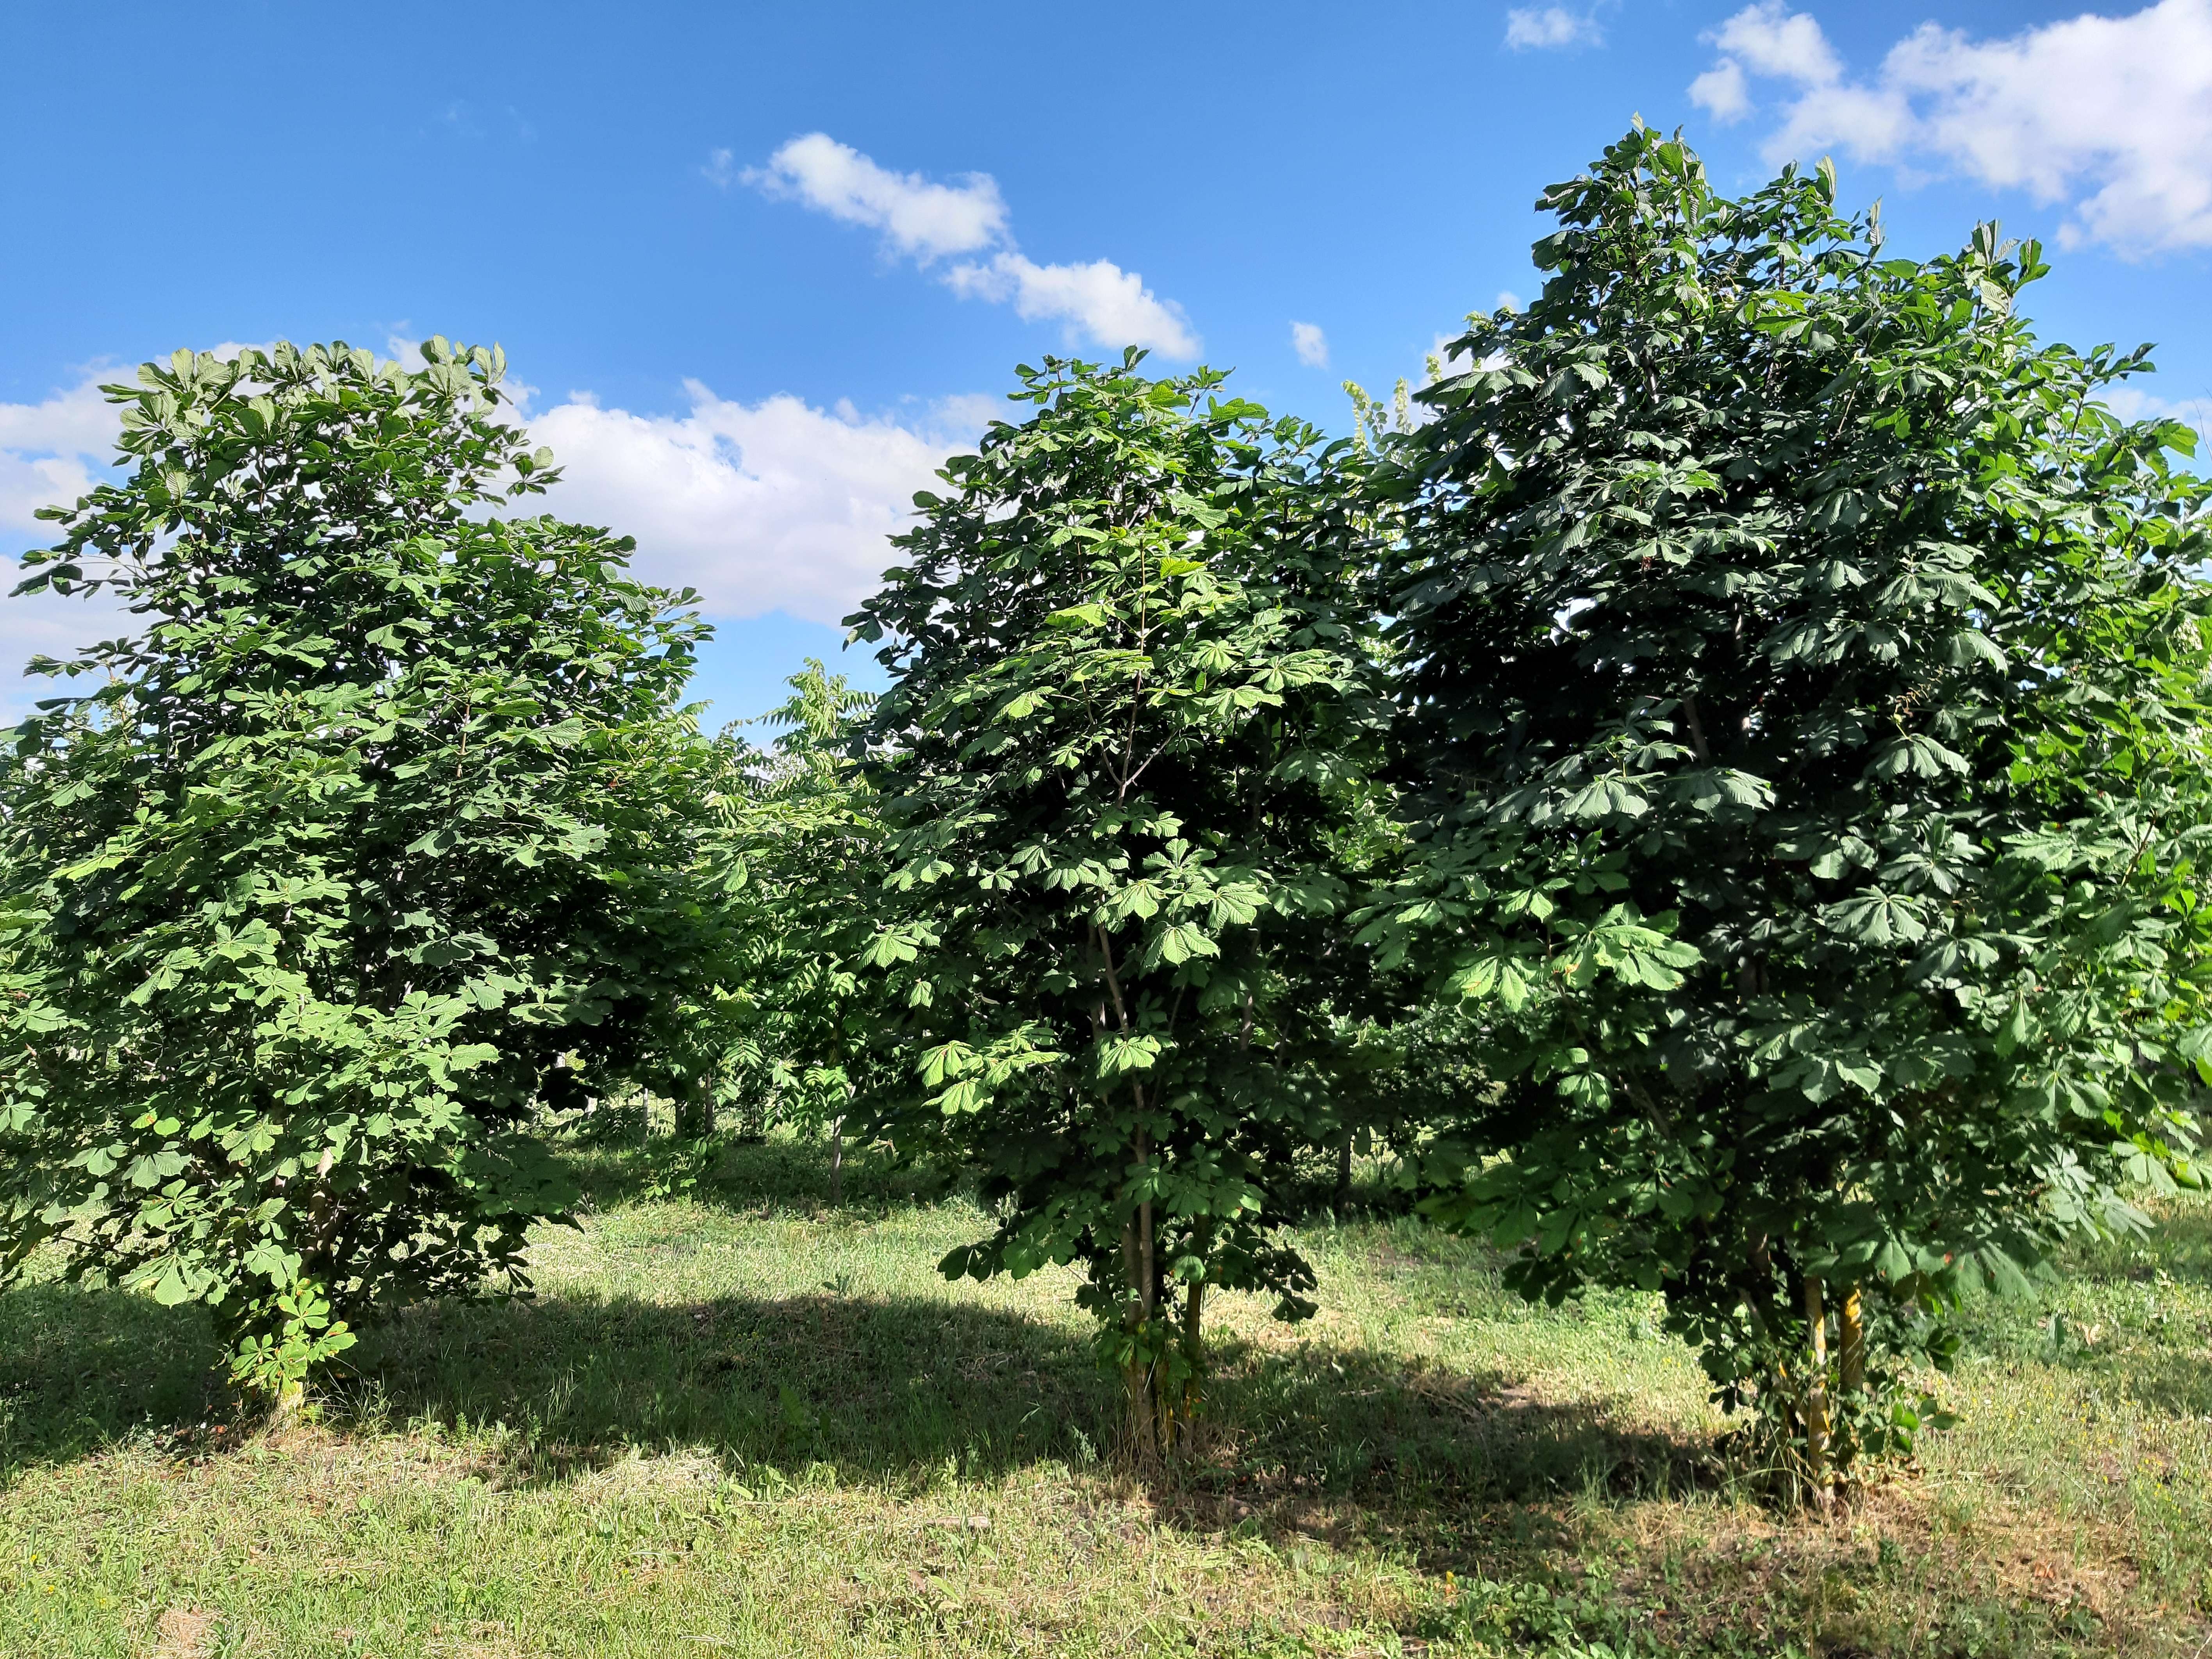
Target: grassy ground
742, 1423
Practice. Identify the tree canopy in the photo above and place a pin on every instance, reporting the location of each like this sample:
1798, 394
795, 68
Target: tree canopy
368, 848
1802, 723
1123, 774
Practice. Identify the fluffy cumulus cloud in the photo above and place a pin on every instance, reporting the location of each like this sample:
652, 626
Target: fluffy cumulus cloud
1310, 343
48, 450
777, 505
1109, 305
51, 451
1536, 27
930, 222
1770, 39
916, 217
2112, 116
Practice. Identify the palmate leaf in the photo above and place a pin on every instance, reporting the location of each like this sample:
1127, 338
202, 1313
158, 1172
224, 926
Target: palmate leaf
1607, 797
1182, 941
1875, 917
1624, 943
1119, 1054
1495, 972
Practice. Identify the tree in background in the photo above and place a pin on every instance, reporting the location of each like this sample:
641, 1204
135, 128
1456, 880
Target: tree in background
373, 847
1802, 710
799, 1017
1122, 778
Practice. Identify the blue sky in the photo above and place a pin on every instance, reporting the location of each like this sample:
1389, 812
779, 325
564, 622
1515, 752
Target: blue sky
750, 352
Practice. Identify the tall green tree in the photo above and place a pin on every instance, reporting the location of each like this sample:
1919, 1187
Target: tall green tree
1804, 718
367, 849
1125, 747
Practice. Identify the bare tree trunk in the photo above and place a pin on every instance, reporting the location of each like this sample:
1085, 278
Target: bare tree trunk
1193, 1353
1850, 1336
1137, 1250
1140, 1423
1816, 1394
837, 1161
1850, 1333
1343, 1200
285, 1404
695, 1110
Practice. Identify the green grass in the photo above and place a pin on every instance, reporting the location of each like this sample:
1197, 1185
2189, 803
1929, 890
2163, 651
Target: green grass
744, 1423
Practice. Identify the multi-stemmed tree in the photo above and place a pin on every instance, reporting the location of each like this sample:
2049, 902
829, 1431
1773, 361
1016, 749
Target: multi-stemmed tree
1123, 778
1801, 715
375, 841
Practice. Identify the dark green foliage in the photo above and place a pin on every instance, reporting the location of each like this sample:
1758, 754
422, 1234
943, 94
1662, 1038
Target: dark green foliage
1123, 785
1801, 722
372, 847
804, 843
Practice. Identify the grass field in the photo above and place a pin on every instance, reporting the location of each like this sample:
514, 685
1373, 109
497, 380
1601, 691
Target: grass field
743, 1423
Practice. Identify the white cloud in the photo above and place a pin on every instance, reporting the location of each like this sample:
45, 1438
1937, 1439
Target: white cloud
77, 421
51, 453
761, 506
927, 221
1771, 39
29, 482
1541, 27
1111, 305
2109, 115
1722, 91
2132, 403
777, 505
916, 216
1310, 343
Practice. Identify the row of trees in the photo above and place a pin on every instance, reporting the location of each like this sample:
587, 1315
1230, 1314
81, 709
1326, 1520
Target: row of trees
1720, 796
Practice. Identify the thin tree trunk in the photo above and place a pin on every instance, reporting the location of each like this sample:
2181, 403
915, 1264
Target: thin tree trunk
1851, 1333
284, 1405
1141, 1425
1146, 1440
1816, 1394
1850, 1336
837, 1161
1344, 1176
1146, 1262
695, 1110
1194, 1350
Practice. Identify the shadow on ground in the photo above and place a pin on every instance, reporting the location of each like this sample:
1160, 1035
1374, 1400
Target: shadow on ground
895, 1390
82, 1369
1313, 1443
876, 1387
739, 1175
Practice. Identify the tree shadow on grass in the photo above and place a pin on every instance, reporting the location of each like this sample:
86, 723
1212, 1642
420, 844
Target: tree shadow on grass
903, 1391
84, 1369
898, 1391
784, 1172
1351, 1421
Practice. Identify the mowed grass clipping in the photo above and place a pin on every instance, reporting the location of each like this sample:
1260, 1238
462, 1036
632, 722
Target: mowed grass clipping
745, 1423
